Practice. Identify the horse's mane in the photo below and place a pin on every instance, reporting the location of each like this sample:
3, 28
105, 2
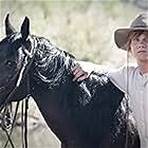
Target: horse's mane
53, 66
52, 63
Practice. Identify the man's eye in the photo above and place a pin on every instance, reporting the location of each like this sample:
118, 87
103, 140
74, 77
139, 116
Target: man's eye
136, 39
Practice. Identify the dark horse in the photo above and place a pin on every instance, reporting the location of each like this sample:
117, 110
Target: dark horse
90, 114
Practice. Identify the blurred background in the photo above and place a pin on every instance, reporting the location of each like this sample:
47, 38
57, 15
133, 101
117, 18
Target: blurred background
84, 28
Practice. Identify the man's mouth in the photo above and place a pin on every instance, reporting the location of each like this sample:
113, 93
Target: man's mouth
142, 51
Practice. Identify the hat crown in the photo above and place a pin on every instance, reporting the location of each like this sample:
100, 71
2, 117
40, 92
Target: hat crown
140, 21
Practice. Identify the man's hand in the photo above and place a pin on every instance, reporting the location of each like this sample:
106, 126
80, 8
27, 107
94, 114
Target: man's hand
79, 74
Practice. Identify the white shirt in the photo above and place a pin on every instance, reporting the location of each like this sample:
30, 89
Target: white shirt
138, 96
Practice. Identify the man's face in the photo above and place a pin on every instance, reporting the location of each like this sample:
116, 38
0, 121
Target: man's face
139, 47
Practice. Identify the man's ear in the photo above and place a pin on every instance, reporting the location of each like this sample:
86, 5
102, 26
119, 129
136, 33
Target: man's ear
9, 29
25, 28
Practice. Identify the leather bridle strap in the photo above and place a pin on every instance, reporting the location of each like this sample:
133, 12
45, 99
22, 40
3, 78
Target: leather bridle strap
127, 109
13, 121
24, 118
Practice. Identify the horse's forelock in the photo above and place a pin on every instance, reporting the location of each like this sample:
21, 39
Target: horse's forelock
13, 37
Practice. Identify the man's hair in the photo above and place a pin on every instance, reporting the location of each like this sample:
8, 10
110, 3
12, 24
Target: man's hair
132, 35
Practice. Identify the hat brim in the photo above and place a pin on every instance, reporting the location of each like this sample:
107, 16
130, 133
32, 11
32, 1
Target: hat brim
121, 36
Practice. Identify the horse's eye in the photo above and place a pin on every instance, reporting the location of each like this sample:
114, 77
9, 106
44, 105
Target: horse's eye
9, 63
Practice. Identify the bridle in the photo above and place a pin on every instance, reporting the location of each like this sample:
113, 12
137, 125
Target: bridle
127, 108
27, 62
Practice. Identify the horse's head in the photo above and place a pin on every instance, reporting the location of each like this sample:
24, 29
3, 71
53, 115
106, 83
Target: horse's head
13, 50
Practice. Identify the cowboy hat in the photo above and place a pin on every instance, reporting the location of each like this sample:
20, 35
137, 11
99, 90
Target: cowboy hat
139, 23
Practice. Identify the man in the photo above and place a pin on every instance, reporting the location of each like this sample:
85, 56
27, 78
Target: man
132, 80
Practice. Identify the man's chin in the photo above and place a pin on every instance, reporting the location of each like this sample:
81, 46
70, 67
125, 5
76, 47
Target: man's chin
144, 59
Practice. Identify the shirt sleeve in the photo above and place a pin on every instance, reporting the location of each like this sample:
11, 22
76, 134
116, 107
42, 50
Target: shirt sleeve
119, 78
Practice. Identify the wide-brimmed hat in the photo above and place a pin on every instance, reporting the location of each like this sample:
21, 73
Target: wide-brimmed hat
121, 34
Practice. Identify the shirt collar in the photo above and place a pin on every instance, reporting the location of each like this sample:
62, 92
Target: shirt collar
145, 75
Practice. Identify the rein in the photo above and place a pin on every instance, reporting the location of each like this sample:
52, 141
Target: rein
23, 72
127, 109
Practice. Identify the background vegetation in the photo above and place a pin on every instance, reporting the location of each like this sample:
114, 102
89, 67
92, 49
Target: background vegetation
82, 27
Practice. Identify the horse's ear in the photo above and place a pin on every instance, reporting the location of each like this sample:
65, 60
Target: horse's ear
9, 28
25, 28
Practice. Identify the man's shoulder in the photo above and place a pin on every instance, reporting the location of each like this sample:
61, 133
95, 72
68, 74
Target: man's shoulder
130, 68
120, 76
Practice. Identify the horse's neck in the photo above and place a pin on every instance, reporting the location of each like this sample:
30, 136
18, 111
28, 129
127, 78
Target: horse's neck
51, 66
52, 69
